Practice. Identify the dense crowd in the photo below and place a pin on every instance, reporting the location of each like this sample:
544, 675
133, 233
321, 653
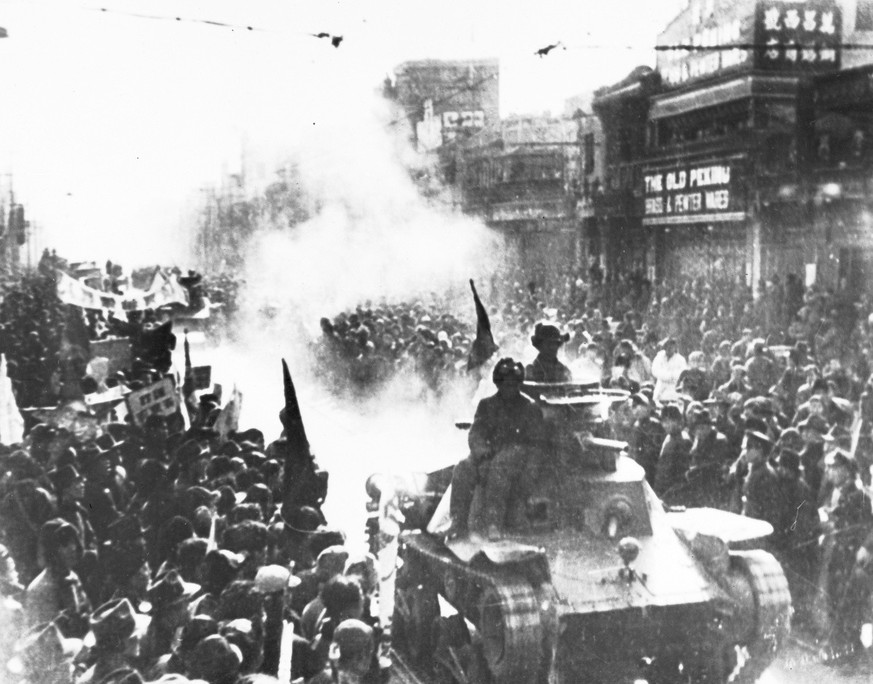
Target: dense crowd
762, 406
162, 549
139, 552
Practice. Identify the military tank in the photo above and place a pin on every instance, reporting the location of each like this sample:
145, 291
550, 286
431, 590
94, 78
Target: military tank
594, 580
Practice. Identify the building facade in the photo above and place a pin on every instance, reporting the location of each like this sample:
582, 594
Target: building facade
755, 154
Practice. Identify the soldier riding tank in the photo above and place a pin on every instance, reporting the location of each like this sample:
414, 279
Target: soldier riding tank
594, 581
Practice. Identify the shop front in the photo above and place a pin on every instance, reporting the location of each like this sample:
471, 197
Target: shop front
697, 212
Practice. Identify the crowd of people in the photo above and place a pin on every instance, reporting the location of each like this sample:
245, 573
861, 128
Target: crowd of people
762, 406
163, 549
177, 550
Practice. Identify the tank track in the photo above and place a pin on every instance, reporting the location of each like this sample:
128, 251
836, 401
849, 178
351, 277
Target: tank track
512, 607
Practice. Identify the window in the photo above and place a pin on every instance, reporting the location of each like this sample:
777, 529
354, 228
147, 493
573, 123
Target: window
588, 151
864, 16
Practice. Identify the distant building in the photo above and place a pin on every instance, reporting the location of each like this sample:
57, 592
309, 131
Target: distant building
447, 100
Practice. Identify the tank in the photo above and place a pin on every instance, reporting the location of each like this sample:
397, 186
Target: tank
595, 579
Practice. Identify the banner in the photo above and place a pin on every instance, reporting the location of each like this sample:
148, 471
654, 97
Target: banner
158, 399
166, 290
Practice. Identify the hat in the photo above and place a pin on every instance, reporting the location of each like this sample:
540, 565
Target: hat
332, 560
671, 412
41, 649
214, 659
789, 458
546, 332
171, 589
841, 458
507, 367
840, 436
115, 621
302, 519
64, 477
701, 417
790, 437
275, 578
198, 628
640, 399
353, 640
815, 423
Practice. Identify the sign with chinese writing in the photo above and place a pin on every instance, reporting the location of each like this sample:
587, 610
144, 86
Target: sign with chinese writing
696, 193
158, 399
691, 44
467, 119
798, 36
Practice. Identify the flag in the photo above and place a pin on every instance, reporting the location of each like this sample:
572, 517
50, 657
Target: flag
483, 346
290, 416
228, 419
11, 422
188, 384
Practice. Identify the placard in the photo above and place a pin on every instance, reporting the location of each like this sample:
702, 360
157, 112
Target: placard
202, 377
158, 399
116, 350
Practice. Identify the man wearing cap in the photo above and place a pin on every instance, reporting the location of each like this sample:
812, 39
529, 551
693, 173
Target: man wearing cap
740, 349
70, 489
675, 456
117, 630
761, 481
667, 366
812, 431
506, 432
647, 435
847, 552
547, 340
710, 457
169, 597
760, 369
350, 656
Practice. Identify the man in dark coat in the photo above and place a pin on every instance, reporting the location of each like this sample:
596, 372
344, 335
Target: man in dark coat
710, 458
647, 435
847, 553
675, 454
506, 428
547, 340
813, 430
761, 480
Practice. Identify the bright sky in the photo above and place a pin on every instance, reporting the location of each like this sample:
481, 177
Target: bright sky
111, 123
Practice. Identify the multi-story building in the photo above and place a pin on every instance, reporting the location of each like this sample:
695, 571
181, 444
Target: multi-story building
447, 100
755, 151
524, 180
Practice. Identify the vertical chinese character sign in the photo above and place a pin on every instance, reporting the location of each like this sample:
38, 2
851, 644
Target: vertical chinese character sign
798, 36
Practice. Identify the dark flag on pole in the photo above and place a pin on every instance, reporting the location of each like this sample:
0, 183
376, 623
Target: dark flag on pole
483, 346
188, 384
305, 484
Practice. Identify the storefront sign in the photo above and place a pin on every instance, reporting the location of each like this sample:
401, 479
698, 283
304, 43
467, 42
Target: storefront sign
724, 23
695, 193
798, 36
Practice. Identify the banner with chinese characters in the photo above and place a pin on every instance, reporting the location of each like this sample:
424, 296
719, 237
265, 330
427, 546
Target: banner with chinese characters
706, 192
798, 36
158, 399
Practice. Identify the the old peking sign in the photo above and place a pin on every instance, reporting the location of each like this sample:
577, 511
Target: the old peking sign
693, 193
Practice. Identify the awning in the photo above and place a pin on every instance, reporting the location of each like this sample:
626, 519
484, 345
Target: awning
685, 219
729, 91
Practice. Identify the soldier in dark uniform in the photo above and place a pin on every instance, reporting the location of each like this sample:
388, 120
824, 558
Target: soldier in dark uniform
647, 435
847, 552
675, 454
813, 430
507, 429
710, 457
70, 489
761, 480
547, 339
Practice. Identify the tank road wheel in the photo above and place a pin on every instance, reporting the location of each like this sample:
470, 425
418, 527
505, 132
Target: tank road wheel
416, 610
512, 633
758, 586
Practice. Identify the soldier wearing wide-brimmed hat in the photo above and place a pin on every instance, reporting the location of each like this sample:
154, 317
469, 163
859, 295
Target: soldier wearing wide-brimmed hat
547, 340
